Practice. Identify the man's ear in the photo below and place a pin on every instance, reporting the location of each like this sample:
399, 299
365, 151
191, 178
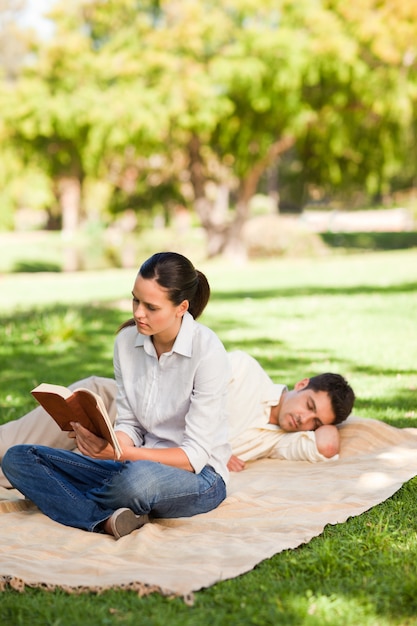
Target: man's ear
302, 384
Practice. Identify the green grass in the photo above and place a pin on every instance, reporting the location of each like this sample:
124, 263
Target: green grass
355, 314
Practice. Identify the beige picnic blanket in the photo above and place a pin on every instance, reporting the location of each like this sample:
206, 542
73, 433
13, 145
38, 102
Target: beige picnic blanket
271, 506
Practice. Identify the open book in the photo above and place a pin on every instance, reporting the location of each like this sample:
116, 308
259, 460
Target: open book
81, 405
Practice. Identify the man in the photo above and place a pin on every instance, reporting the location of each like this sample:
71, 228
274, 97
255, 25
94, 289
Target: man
268, 420
265, 419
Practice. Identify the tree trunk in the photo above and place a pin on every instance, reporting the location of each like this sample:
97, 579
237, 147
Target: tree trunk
234, 246
212, 211
224, 236
69, 197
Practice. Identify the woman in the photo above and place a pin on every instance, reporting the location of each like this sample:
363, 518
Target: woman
171, 375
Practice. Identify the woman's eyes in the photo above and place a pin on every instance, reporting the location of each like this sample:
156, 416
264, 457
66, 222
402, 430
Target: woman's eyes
150, 307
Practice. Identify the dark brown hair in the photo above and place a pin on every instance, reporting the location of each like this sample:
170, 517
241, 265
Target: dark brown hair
342, 396
175, 273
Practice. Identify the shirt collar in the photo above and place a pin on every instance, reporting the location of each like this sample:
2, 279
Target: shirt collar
183, 342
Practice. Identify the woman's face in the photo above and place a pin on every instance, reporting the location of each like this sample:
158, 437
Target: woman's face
155, 315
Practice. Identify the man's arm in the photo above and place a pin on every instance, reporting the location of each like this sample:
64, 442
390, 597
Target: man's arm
327, 440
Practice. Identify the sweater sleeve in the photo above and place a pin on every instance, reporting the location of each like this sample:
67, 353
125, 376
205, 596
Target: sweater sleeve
274, 443
300, 446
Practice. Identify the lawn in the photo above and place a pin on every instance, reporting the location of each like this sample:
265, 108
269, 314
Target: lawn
355, 314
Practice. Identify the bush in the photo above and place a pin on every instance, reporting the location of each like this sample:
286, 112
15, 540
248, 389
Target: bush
371, 241
275, 235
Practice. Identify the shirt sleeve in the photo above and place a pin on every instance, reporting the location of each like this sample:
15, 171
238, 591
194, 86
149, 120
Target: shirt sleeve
206, 422
299, 446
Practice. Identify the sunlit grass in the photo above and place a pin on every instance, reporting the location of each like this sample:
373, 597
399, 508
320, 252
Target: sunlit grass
353, 314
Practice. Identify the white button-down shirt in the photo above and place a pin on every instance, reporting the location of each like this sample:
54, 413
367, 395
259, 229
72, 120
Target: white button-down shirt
178, 400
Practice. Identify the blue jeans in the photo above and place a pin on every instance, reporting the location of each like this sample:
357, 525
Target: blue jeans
78, 491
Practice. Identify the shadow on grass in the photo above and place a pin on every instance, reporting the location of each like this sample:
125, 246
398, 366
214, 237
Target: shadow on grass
62, 344
366, 565
56, 344
371, 240
35, 266
286, 292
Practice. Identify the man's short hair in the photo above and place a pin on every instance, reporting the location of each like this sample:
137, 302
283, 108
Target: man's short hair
342, 396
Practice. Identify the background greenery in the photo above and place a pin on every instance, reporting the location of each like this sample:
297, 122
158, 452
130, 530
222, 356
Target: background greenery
353, 314
174, 111
204, 116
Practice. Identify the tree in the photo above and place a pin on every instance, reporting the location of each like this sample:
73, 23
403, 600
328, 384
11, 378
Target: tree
361, 88
68, 114
218, 69
202, 98
12, 41
231, 63
245, 82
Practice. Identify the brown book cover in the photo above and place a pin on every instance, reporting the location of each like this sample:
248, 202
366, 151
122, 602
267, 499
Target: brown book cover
81, 405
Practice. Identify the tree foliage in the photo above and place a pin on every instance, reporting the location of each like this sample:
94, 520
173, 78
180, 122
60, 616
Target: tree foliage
197, 100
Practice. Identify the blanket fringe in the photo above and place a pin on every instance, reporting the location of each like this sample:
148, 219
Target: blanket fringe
142, 589
18, 504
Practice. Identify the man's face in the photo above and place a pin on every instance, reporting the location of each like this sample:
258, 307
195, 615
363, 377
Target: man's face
304, 409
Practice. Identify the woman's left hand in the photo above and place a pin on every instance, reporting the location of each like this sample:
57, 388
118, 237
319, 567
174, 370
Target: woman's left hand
91, 445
